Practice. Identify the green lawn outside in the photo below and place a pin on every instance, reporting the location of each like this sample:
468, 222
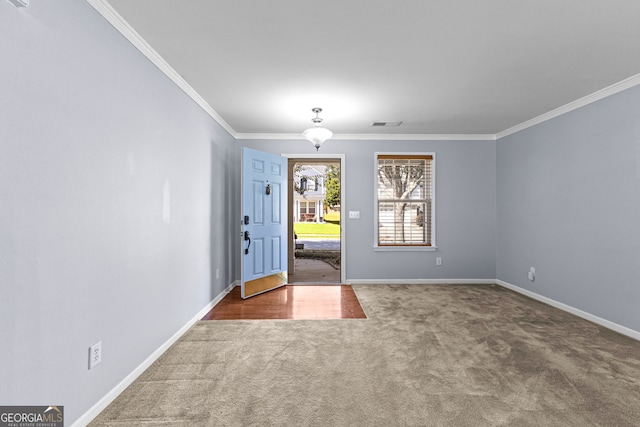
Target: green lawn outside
332, 216
326, 230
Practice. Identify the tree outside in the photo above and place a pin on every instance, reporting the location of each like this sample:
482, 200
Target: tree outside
332, 183
398, 182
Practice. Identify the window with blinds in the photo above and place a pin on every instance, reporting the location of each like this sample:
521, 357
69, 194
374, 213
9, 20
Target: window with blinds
405, 199
307, 207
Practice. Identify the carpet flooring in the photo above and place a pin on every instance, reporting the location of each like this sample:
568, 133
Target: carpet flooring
428, 355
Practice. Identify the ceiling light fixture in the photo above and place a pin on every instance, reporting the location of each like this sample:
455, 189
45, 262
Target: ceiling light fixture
19, 3
316, 134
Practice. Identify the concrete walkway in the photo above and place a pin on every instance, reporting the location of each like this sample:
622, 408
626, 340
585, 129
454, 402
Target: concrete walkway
314, 271
326, 244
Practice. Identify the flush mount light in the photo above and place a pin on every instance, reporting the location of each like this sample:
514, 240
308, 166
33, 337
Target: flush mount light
316, 134
19, 3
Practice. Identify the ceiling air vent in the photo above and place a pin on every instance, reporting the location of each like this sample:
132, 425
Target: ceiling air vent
386, 124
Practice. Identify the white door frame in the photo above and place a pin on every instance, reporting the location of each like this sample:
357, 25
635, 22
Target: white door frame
343, 222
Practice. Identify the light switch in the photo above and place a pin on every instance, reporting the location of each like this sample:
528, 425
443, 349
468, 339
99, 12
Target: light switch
354, 214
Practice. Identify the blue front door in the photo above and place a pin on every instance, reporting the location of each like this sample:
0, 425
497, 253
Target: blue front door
264, 222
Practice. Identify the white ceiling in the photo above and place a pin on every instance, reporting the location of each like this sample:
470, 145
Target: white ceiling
440, 66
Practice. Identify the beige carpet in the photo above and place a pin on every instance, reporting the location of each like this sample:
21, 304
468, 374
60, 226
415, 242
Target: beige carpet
429, 355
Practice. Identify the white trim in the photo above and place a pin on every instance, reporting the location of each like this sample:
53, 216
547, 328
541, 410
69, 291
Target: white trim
95, 410
120, 24
314, 156
631, 333
278, 136
343, 186
589, 99
421, 282
408, 248
374, 137
575, 311
434, 203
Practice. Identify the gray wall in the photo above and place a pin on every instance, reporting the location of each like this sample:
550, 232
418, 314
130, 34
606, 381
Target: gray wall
569, 205
465, 208
90, 132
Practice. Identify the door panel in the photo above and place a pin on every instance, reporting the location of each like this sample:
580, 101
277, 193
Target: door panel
264, 198
258, 259
276, 250
276, 213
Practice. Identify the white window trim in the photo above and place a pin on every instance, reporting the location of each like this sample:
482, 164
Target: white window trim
408, 248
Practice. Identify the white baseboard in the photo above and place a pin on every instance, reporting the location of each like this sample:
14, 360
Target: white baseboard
88, 416
569, 309
564, 307
421, 282
95, 410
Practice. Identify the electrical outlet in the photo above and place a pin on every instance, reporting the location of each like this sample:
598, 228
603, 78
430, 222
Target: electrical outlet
95, 354
532, 274
438, 261
217, 273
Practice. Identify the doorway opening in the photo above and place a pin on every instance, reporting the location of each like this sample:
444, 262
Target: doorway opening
315, 217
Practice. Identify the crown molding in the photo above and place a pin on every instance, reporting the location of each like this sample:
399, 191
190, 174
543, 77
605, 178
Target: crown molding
290, 136
120, 24
375, 137
589, 99
417, 137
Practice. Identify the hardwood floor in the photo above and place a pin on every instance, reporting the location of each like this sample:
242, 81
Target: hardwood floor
291, 302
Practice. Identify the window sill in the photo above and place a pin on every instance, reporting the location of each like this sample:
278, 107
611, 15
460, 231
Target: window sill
405, 248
